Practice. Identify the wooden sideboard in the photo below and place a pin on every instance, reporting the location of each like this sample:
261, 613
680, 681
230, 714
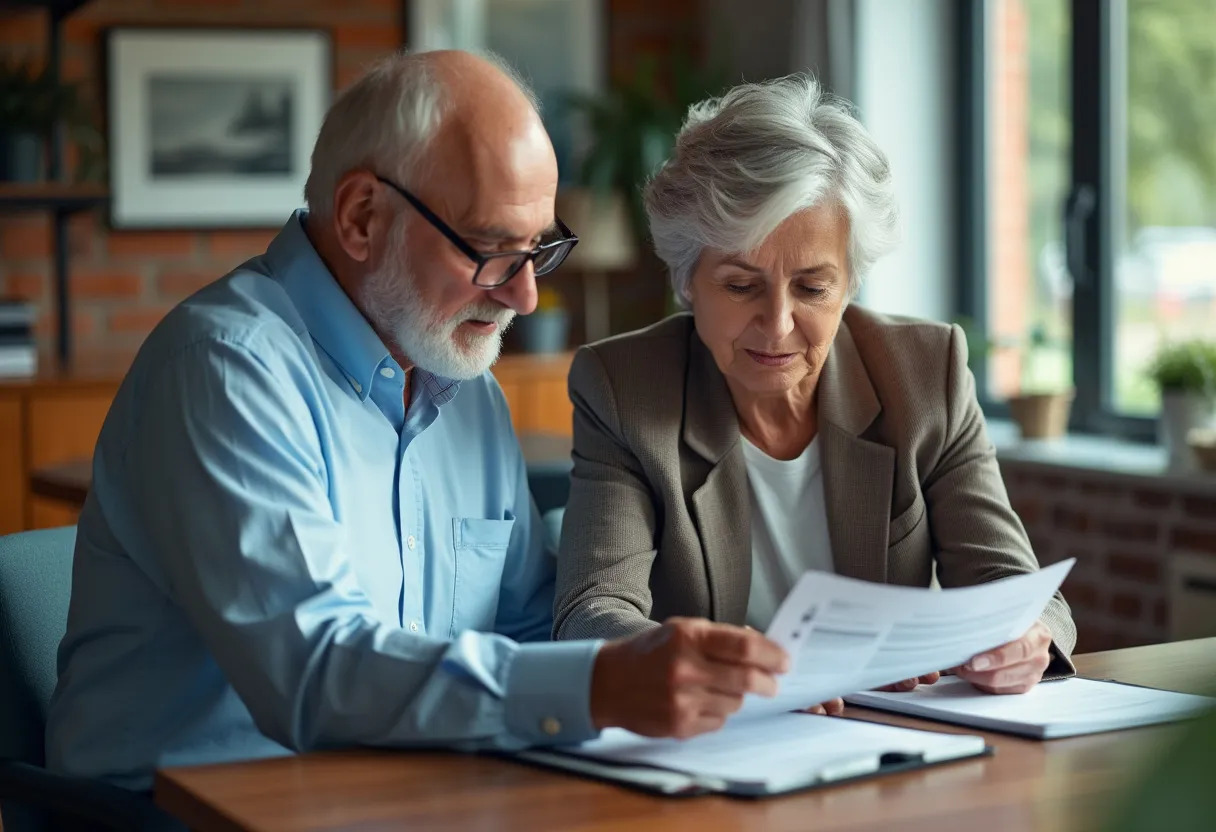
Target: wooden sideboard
55, 417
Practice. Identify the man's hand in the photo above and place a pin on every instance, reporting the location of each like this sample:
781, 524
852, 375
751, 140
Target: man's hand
909, 684
1015, 667
683, 678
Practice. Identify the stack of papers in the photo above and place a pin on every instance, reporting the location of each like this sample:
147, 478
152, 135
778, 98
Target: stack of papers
1049, 710
845, 635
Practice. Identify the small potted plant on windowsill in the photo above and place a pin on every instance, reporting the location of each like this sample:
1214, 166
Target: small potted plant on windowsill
546, 329
1043, 406
1185, 373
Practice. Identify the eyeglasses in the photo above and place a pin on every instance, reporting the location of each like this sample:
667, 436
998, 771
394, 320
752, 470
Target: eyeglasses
498, 267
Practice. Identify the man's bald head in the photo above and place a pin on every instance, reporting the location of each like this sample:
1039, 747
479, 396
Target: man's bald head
387, 119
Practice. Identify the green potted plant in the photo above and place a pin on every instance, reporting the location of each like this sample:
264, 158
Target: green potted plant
1044, 403
632, 127
32, 103
1185, 373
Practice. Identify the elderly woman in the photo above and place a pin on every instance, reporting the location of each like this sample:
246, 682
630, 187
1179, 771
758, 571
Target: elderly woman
778, 428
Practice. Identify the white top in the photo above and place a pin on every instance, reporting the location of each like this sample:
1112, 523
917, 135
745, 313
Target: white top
789, 526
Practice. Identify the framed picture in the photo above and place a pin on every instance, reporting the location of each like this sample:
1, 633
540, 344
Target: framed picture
213, 128
559, 46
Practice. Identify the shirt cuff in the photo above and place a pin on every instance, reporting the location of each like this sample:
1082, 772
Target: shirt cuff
548, 698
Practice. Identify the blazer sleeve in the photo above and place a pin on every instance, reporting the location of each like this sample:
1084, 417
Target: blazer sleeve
977, 536
608, 533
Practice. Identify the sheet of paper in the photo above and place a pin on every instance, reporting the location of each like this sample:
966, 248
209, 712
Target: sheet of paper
1068, 706
780, 750
845, 635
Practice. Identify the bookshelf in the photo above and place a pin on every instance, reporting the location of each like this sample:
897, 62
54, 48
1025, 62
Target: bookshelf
61, 199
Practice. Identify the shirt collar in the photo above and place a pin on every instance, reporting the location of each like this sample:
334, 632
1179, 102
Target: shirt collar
333, 320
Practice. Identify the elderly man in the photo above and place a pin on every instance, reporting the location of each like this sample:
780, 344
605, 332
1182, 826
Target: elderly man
310, 524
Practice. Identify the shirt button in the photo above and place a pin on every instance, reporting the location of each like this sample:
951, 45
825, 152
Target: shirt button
413, 626
387, 372
411, 542
358, 387
551, 726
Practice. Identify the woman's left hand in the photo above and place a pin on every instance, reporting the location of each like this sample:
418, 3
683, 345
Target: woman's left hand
1015, 667
833, 707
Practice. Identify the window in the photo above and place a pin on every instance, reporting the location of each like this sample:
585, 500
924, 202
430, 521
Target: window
1089, 195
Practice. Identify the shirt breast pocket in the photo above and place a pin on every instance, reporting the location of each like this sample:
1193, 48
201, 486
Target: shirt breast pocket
480, 546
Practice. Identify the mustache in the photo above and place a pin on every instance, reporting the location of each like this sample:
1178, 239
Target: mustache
487, 311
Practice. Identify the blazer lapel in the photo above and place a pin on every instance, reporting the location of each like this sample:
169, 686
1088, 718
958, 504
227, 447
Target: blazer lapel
720, 506
857, 473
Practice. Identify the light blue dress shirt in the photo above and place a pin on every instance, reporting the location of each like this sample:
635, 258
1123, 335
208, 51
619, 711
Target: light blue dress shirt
278, 555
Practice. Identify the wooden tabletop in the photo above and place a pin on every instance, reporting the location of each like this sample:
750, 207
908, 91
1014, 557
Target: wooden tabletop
1062, 784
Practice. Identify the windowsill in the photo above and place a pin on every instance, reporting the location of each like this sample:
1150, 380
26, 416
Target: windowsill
1099, 454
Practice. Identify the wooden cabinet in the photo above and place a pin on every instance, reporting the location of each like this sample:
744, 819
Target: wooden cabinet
52, 418
535, 387
56, 418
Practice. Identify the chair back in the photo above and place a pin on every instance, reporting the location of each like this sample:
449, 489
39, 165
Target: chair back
35, 585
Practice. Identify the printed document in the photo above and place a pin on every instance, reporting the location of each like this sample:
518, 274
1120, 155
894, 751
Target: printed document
845, 635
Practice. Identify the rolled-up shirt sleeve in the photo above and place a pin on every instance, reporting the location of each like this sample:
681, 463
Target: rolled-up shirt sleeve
229, 481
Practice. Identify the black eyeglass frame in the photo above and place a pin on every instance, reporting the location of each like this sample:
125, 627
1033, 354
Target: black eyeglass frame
568, 239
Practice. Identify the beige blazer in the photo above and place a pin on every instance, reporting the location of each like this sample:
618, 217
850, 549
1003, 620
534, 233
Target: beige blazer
658, 518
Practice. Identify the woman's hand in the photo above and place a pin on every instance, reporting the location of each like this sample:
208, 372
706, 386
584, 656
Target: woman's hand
1015, 667
833, 707
909, 684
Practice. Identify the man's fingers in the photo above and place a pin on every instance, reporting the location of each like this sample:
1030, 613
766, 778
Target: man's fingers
738, 680
1006, 655
737, 645
930, 678
1017, 679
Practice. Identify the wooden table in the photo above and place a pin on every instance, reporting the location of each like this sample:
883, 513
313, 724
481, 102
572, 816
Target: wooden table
1062, 784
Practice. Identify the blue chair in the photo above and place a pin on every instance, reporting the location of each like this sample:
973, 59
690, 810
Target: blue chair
35, 585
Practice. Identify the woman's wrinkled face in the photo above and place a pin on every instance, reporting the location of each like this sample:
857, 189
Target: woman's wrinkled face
769, 316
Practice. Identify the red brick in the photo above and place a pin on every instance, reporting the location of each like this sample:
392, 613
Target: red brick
1091, 488
1134, 531
150, 244
1152, 499
359, 36
25, 29
1197, 540
1136, 567
25, 237
138, 319
82, 29
1028, 509
106, 284
27, 286
1202, 507
1081, 595
1125, 605
229, 246
180, 284
1070, 519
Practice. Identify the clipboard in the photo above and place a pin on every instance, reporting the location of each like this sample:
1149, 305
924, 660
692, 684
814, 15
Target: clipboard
662, 767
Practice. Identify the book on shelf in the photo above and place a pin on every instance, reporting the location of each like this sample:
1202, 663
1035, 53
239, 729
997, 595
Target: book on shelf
18, 348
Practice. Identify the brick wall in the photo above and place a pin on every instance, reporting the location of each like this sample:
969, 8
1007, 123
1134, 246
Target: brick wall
1123, 532
124, 282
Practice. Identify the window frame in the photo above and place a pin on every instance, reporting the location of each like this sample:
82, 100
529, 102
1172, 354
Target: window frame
1090, 215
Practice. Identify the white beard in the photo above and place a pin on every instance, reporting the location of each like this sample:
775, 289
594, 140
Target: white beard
392, 301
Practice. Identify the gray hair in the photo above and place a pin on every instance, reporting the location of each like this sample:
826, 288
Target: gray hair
384, 122
747, 161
